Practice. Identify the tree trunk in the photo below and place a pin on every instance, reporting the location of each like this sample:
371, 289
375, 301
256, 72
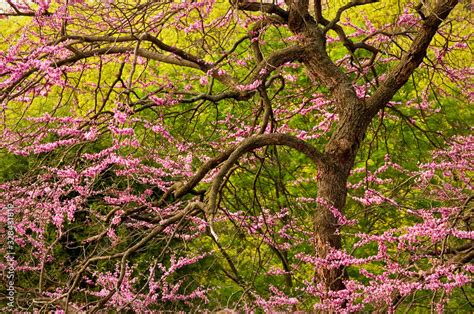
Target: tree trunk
331, 188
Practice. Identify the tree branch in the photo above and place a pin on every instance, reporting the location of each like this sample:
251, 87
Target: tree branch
269, 8
276, 59
412, 59
345, 8
258, 141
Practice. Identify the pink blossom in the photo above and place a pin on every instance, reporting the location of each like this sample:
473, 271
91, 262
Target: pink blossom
203, 80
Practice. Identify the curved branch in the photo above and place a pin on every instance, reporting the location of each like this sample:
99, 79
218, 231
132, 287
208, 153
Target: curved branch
201, 173
277, 59
258, 141
203, 65
345, 8
269, 8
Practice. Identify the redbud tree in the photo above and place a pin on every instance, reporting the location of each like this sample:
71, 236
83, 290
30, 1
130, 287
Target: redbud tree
277, 155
